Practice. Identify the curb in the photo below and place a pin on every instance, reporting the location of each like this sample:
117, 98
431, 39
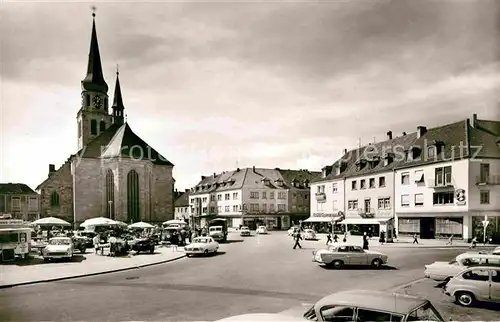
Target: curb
55, 279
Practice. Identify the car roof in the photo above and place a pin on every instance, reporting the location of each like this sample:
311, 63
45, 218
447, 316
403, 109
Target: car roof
476, 255
479, 267
378, 300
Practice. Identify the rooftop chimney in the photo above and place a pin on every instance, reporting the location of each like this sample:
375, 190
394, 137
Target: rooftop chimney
52, 168
203, 177
345, 151
404, 133
253, 168
215, 175
186, 190
389, 135
474, 120
421, 130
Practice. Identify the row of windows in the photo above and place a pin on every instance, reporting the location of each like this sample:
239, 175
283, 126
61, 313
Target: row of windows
235, 196
370, 183
235, 208
383, 203
255, 195
16, 203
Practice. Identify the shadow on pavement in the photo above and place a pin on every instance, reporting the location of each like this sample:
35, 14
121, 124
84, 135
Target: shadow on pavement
231, 241
363, 268
487, 306
39, 260
219, 253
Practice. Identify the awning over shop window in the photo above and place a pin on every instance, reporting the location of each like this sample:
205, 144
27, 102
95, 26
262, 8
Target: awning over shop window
364, 221
322, 219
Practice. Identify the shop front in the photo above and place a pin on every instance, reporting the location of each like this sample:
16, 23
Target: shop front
15, 237
371, 226
486, 226
432, 227
322, 222
272, 222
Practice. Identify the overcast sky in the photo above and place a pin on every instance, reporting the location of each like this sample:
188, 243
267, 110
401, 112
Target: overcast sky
216, 85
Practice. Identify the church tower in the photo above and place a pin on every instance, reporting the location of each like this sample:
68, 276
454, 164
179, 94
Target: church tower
118, 107
93, 117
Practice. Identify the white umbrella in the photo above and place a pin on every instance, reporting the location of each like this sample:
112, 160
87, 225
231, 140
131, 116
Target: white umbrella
141, 224
50, 221
120, 223
174, 221
99, 221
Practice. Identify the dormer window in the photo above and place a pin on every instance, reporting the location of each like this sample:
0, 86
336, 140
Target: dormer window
279, 182
360, 164
266, 181
306, 183
388, 159
294, 182
431, 152
415, 153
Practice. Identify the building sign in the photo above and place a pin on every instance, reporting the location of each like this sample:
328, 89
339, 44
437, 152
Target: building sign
460, 197
11, 222
323, 215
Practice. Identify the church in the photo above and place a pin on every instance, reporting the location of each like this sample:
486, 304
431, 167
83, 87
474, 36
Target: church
115, 173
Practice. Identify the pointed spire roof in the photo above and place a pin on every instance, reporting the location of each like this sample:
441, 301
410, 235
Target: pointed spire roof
118, 100
94, 81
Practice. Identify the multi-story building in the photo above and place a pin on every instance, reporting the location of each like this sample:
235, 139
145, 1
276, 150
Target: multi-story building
451, 186
181, 205
20, 201
253, 196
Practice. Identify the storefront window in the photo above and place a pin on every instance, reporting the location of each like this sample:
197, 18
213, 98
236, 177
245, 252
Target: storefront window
445, 227
492, 230
409, 226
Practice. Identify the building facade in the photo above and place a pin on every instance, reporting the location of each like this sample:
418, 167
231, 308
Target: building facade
253, 196
451, 188
181, 205
19, 201
115, 173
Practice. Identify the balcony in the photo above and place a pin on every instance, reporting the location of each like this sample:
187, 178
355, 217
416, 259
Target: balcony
321, 197
488, 180
433, 183
366, 213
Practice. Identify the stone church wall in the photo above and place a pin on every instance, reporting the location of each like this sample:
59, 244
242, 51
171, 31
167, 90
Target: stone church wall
89, 188
60, 181
163, 189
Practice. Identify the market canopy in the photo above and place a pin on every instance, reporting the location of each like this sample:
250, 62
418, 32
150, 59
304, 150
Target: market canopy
99, 221
50, 221
174, 222
141, 225
323, 219
121, 223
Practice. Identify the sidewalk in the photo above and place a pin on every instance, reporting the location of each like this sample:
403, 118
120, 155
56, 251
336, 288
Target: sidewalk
35, 270
407, 242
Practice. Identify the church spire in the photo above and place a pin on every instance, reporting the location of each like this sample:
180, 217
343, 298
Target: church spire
94, 81
118, 101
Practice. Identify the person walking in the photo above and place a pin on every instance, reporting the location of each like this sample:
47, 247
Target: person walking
365, 241
328, 239
473, 244
415, 240
382, 237
297, 238
335, 238
450, 241
345, 237
96, 240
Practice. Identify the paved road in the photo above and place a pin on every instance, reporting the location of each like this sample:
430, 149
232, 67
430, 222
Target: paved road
257, 274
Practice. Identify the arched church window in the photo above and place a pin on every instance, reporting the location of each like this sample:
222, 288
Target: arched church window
110, 194
54, 199
106, 104
93, 127
102, 126
87, 100
133, 198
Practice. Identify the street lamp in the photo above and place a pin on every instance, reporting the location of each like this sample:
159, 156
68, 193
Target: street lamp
485, 223
110, 203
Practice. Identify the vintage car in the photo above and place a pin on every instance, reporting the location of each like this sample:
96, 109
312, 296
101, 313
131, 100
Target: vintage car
309, 234
339, 255
58, 247
261, 230
496, 251
480, 283
443, 271
202, 246
356, 305
245, 231
143, 245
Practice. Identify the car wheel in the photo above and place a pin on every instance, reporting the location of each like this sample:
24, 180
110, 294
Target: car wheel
205, 252
465, 298
45, 259
337, 264
376, 263
83, 250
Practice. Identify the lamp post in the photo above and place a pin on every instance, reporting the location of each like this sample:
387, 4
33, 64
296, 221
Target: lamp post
110, 203
485, 225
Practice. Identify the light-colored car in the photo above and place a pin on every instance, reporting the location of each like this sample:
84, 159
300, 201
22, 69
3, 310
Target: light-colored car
480, 283
245, 231
58, 247
443, 271
261, 230
202, 246
309, 234
356, 305
496, 251
339, 255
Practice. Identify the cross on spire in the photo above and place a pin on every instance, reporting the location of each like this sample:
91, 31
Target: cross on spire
93, 11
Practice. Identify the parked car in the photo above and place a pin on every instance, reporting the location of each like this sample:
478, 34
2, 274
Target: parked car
339, 255
202, 246
481, 283
143, 245
357, 305
261, 230
496, 251
58, 247
245, 231
309, 234
443, 271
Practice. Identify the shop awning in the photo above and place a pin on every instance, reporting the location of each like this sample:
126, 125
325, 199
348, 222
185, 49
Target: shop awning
364, 221
322, 219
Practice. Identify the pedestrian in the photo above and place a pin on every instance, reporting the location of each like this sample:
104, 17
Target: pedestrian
297, 238
365, 241
450, 241
335, 238
382, 237
473, 243
415, 240
328, 238
394, 232
96, 241
345, 237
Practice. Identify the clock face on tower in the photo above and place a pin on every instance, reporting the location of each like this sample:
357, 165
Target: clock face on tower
97, 102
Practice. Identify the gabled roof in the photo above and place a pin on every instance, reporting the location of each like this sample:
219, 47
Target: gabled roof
125, 143
489, 126
15, 189
301, 176
227, 180
182, 201
93, 148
